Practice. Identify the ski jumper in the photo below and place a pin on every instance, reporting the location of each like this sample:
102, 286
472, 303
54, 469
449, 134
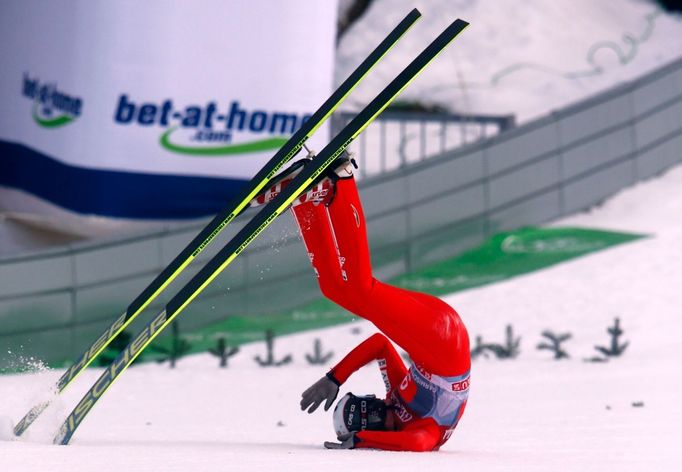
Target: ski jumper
429, 398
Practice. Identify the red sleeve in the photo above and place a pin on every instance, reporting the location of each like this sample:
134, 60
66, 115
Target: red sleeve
376, 347
421, 439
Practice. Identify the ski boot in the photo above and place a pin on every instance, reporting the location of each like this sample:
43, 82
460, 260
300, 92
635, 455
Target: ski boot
322, 189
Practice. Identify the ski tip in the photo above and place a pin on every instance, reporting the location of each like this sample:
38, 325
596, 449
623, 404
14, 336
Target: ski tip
461, 23
414, 13
453, 30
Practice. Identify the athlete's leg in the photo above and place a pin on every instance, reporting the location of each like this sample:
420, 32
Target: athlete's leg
429, 330
321, 245
425, 326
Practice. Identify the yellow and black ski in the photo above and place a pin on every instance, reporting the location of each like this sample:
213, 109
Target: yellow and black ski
246, 235
238, 204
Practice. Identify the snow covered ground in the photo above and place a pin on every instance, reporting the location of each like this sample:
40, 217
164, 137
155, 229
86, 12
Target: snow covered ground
523, 57
530, 413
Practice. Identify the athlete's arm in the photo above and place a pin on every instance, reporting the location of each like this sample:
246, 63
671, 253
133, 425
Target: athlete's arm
376, 347
417, 440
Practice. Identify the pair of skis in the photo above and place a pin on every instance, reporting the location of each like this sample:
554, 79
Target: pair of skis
309, 174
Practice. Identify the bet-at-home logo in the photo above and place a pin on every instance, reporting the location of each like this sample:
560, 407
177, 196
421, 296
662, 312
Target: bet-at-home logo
210, 130
52, 107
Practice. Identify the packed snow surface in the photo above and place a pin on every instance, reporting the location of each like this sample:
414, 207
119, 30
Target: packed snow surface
530, 413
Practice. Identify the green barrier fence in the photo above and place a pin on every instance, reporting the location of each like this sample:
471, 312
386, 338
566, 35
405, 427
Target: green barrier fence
503, 256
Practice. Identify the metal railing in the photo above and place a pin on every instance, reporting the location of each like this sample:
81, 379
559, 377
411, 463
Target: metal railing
397, 138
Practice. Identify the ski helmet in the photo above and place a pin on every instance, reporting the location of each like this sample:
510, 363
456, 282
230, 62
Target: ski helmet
358, 413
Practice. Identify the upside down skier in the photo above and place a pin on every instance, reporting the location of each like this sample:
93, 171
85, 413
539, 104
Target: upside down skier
424, 403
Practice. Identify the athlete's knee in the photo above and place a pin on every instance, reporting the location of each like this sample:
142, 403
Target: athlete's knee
351, 295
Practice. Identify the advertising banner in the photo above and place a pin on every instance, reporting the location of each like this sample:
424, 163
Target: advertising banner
153, 110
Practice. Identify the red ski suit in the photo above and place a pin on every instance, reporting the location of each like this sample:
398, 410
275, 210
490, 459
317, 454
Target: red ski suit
429, 398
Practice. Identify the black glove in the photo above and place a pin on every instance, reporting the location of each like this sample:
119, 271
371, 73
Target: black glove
348, 441
327, 388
